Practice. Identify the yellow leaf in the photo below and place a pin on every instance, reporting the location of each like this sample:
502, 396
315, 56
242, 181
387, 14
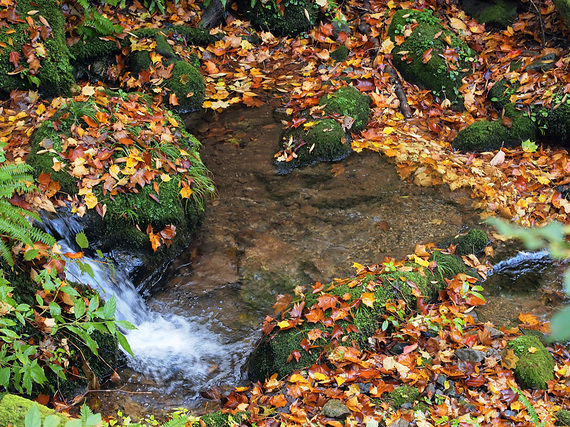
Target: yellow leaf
165, 177
114, 171
420, 261
357, 266
41, 109
155, 57
387, 46
91, 200
319, 376
245, 45
388, 130
532, 350
368, 299
284, 324
339, 380
185, 192
88, 90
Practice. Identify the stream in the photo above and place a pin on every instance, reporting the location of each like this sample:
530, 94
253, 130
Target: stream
265, 234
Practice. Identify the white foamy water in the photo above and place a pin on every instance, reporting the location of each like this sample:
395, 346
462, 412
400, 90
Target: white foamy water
166, 348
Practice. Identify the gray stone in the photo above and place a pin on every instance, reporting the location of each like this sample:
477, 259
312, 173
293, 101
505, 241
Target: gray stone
470, 355
335, 409
399, 423
494, 333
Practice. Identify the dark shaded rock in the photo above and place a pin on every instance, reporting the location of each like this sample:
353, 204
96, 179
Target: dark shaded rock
470, 355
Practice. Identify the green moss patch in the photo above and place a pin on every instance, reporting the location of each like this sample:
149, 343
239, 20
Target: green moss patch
348, 102
54, 75
13, 410
497, 13
487, 135
187, 84
535, 365
402, 395
285, 351
288, 17
424, 57
471, 243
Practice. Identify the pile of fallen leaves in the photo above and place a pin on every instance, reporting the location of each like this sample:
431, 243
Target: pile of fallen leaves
422, 351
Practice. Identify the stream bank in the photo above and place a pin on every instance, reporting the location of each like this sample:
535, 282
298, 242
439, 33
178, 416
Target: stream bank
264, 234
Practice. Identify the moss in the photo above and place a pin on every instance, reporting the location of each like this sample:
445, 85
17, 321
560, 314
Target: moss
192, 36
340, 54
437, 74
187, 84
13, 410
86, 51
471, 243
403, 394
273, 351
501, 92
55, 72
533, 369
484, 135
562, 418
139, 60
499, 13
348, 101
260, 287
556, 122
220, 419
295, 17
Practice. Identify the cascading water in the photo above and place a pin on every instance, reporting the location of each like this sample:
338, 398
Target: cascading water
172, 351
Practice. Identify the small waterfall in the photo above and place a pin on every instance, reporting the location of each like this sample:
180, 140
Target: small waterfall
171, 350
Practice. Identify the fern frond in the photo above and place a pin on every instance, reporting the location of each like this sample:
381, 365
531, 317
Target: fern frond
15, 231
16, 169
16, 213
38, 235
5, 253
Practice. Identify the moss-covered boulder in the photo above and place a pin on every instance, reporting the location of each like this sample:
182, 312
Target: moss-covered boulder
187, 84
13, 410
555, 122
496, 13
287, 349
487, 135
322, 138
424, 58
282, 18
348, 102
340, 53
40, 52
145, 182
471, 243
402, 395
535, 366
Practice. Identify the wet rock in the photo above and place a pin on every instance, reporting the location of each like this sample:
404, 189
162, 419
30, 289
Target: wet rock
470, 355
494, 333
543, 63
335, 409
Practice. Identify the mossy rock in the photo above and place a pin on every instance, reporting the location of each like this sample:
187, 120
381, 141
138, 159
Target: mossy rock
534, 368
340, 54
260, 287
562, 418
436, 74
501, 92
471, 243
13, 410
402, 395
348, 101
496, 13
187, 84
285, 18
55, 73
484, 135
273, 351
556, 123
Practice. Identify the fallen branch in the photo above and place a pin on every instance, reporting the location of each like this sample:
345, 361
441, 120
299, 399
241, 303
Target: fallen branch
395, 80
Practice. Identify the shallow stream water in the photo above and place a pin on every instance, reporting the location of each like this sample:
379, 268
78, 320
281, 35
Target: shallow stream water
264, 234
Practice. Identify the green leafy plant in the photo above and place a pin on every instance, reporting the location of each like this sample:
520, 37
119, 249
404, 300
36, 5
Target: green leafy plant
531, 411
15, 225
87, 419
552, 237
95, 24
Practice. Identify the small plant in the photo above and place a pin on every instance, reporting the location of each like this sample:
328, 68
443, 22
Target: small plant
87, 419
14, 223
531, 411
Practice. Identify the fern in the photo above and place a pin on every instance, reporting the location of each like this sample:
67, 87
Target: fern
14, 220
95, 24
530, 409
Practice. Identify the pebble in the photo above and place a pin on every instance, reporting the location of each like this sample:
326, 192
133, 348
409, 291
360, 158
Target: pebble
494, 333
335, 409
470, 355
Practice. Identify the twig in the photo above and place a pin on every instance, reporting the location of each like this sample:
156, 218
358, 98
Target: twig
395, 80
537, 9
